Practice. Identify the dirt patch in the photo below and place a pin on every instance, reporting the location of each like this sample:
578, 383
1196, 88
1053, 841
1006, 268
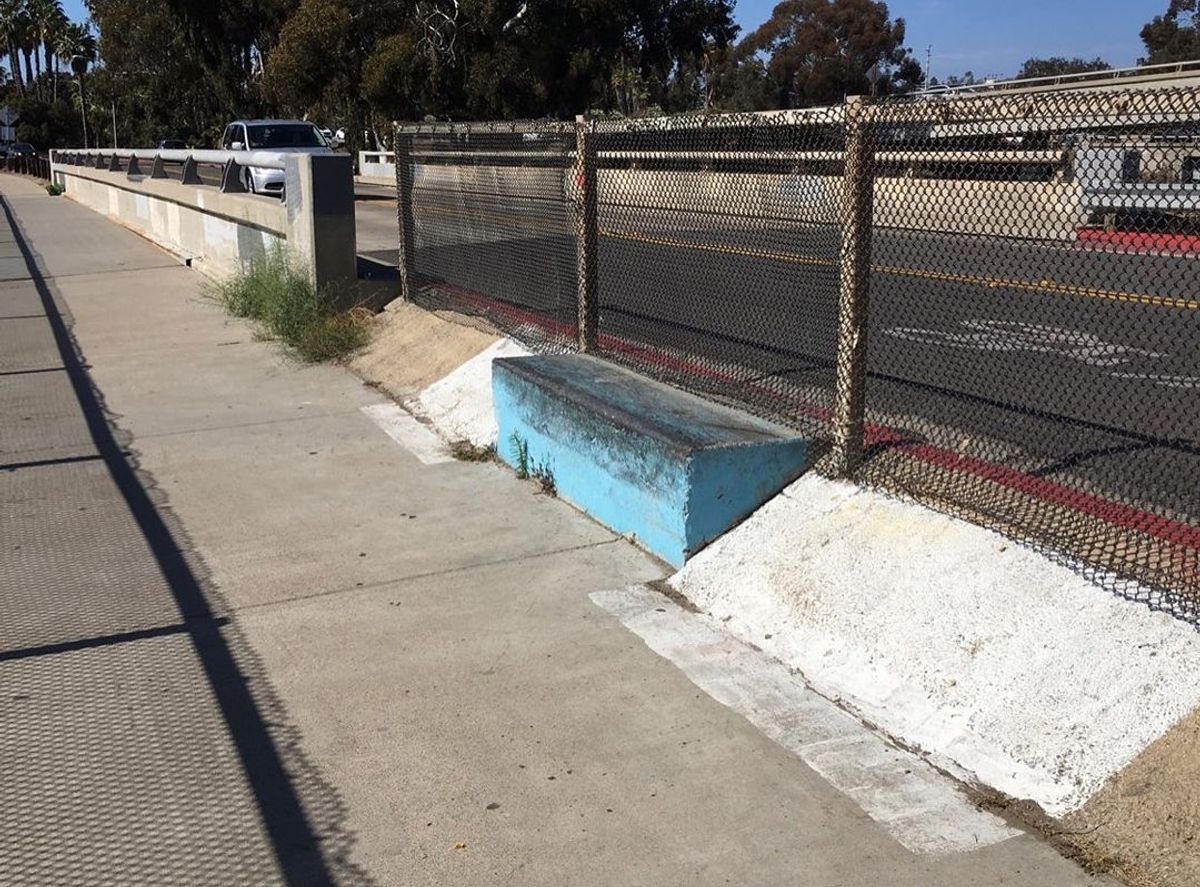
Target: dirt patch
1146, 820
411, 348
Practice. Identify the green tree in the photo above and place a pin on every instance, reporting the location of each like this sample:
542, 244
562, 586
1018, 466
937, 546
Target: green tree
621, 55
819, 51
1174, 36
1057, 66
155, 75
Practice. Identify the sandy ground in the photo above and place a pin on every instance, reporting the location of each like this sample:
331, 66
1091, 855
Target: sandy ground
1145, 822
411, 348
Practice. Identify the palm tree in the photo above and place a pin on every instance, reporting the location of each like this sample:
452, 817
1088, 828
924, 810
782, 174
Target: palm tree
76, 40
44, 17
26, 41
78, 45
10, 28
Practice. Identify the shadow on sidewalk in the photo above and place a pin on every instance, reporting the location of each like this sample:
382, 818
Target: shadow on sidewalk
302, 817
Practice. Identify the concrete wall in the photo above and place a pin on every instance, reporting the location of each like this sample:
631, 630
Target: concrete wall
1024, 210
221, 233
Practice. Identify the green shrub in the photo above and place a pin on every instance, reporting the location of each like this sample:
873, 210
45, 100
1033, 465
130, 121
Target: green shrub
285, 305
54, 189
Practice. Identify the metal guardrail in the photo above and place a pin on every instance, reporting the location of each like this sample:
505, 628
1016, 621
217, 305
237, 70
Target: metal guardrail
232, 163
27, 164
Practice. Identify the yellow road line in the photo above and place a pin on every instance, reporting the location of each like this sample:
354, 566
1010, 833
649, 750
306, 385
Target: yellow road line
1043, 286
1051, 286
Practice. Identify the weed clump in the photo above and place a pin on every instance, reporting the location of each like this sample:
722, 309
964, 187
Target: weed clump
541, 473
465, 451
54, 189
282, 301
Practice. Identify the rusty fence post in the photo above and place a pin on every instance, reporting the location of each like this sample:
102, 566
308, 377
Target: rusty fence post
404, 211
855, 285
585, 233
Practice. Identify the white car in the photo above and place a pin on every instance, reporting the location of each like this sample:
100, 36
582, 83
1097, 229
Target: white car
283, 136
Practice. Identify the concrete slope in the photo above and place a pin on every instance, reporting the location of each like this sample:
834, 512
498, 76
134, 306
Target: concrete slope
999, 663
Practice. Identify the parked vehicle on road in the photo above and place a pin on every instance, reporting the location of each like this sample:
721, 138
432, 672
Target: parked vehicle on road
282, 136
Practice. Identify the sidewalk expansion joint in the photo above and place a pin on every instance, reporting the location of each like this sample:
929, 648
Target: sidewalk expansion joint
417, 577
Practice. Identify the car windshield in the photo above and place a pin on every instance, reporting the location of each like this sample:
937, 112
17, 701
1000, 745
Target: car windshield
269, 136
23, 146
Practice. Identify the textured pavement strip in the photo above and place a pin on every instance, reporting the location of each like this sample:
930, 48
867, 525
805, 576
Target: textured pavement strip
119, 677
156, 730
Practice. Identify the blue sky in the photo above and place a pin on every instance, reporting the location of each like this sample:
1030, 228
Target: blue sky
996, 36
990, 36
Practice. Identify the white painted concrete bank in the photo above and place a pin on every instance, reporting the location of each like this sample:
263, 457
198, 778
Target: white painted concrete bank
460, 404
1001, 665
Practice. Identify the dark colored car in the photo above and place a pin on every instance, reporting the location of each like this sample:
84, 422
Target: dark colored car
172, 145
21, 149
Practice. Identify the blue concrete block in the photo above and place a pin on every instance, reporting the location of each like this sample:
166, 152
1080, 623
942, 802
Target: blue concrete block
665, 467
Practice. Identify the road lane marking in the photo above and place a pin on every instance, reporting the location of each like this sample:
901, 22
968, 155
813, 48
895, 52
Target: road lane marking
404, 429
1045, 285
920, 807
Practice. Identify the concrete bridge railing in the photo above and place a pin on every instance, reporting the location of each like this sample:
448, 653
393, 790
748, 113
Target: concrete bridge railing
377, 166
210, 220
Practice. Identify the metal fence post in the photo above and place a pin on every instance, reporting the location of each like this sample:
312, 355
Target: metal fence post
404, 211
585, 233
857, 193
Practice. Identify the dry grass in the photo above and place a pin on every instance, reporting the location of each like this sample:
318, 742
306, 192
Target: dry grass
284, 304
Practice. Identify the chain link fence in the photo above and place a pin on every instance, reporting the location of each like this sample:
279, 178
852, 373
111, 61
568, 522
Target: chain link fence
489, 226
990, 304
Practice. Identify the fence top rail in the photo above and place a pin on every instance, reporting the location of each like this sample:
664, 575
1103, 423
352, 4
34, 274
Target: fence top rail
1005, 111
999, 156
823, 115
481, 127
260, 159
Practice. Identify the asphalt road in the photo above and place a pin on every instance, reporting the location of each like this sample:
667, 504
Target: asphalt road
1067, 363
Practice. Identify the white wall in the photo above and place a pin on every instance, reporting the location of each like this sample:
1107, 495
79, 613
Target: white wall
1025, 210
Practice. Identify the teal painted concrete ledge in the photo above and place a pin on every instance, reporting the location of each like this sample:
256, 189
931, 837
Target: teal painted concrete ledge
669, 469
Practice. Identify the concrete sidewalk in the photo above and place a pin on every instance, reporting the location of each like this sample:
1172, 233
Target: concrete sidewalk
246, 637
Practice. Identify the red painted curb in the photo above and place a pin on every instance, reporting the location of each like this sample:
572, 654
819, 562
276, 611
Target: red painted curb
1140, 240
